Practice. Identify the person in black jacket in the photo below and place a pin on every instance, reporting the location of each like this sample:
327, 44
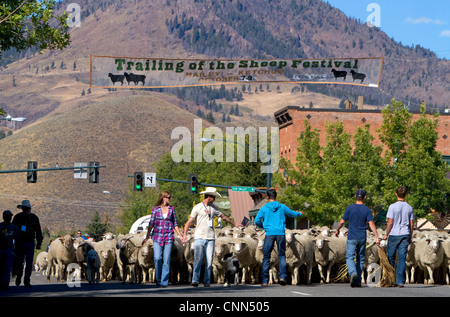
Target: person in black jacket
29, 231
8, 237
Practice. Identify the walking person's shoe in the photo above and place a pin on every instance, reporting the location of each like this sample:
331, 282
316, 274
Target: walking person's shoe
353, 279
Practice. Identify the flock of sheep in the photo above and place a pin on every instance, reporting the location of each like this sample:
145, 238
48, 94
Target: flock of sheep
125, 257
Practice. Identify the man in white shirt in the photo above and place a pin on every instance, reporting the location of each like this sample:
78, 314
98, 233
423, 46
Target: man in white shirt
399, 230
204, 213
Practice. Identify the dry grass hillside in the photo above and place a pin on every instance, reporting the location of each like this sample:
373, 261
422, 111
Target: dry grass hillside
126, 134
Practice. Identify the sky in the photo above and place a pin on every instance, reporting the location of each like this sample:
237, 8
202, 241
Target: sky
423, 22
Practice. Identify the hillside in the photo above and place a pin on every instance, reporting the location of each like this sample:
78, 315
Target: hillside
245, 29
126, 134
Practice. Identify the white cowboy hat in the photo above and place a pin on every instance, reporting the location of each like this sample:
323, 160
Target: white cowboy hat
25, 203
211, 191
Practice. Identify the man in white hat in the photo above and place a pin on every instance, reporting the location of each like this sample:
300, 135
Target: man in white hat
204, 213
29, 231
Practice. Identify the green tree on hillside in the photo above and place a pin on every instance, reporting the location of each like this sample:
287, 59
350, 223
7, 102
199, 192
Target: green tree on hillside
324, 179
97, 226
31, 23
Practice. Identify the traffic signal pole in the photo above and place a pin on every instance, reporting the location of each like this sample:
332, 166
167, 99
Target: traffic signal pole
48, 169
32, 172
205, 184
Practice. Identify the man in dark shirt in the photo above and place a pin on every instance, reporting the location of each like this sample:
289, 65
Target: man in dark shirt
8, 237
358, 215
29, 230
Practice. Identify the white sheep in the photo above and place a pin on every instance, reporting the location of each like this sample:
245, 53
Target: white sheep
411, 262
226, 231
107, 255
189, 255
446, 247
146, 261
299, 251
93, 267
60, 254
127, 256
245, 249
222, 246
42, 262
429, 254
371, 256
327, 252
176, 260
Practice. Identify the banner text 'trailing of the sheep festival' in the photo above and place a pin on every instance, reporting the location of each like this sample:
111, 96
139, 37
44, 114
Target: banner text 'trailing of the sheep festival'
126, 72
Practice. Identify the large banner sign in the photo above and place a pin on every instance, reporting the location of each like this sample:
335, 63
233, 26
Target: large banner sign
126, 72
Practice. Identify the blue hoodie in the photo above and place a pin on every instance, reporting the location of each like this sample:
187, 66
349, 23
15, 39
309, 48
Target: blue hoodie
272, 218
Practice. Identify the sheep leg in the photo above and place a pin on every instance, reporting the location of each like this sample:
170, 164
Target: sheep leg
49, 270
124, 273
256, 273
244, 275
308, 273
322, 278
253, 275
132, 273
275, 275
430, 273
330, 265
295, 276
144, 275
447, 274
407, 275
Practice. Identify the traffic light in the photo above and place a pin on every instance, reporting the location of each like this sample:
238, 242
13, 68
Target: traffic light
138, 181
193, 183
93, 172
32, 175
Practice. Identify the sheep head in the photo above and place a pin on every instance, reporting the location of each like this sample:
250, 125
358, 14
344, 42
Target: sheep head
67, 241
320, 242
434, 242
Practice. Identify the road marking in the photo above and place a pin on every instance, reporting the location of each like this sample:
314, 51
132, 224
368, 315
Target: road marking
300, 293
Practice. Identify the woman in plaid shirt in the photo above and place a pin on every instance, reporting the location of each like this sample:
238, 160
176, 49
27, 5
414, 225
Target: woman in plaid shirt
163, 221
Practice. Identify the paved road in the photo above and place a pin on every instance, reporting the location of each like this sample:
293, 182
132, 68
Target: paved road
41, 288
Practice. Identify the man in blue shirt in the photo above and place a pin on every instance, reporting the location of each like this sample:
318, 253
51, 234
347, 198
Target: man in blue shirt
272, 218
357, 215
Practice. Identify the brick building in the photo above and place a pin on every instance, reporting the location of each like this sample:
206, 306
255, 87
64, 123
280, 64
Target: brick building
291, 124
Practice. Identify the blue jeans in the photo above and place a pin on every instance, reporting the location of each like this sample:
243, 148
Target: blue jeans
6, 262
203, 249
356, 248
269, 242
24, 254
400, 244
161, 256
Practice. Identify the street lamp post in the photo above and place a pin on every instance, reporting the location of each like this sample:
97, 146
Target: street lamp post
268, 154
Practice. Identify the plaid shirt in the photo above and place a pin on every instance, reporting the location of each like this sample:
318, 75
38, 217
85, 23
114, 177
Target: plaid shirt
163, 228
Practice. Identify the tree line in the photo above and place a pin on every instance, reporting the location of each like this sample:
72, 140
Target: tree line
324, 179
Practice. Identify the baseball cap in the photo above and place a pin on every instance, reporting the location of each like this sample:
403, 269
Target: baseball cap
361, 193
